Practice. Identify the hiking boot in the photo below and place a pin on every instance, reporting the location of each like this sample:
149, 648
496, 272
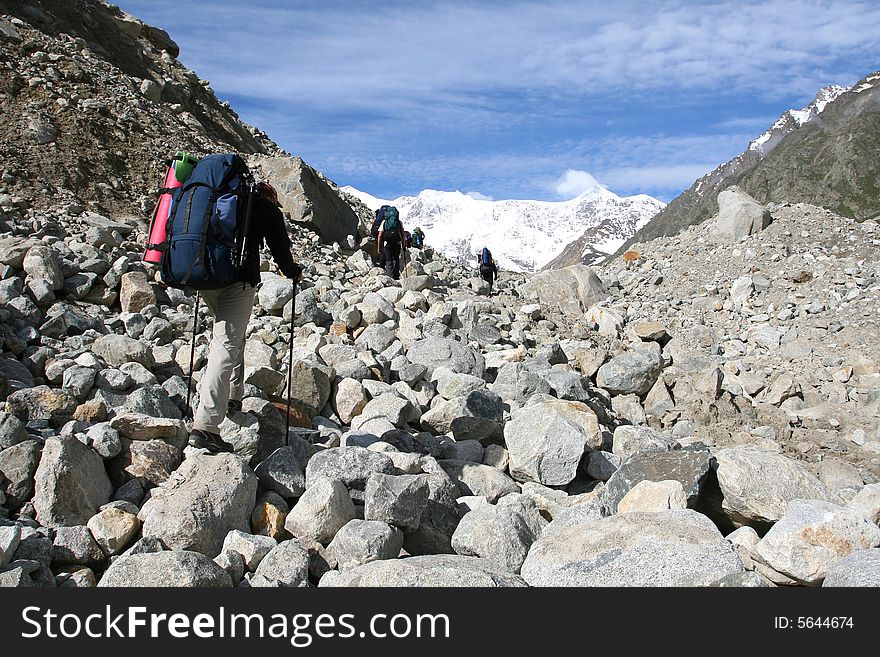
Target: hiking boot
233, 407
209, 441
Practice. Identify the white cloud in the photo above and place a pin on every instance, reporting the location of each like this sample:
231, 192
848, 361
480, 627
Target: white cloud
477, 196
573, 183
669, 177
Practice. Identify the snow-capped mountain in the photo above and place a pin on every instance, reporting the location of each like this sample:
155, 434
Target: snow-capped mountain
793, 119
523, 235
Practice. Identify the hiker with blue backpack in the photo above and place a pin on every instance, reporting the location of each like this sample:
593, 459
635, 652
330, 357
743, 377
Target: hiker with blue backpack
217, 223
488, 269
390, 239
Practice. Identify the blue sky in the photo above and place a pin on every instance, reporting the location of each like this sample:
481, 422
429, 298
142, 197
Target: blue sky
510, 99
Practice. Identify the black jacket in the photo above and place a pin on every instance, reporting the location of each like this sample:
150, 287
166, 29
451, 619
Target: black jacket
268, 226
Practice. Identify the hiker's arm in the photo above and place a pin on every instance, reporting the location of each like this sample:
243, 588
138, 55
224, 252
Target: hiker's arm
279, 245
379, 243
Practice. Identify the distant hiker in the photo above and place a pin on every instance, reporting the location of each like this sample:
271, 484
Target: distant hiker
488, 269
418, 238
389, 240
407, 239
222, 384
374, 232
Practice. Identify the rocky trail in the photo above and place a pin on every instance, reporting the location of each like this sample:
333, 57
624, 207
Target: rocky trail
700, 412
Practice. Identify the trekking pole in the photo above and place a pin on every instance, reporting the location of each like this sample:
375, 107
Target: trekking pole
192, 353
290, 365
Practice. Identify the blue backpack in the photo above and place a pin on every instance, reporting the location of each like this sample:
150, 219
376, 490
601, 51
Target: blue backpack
207, 225
380, 217
485, 258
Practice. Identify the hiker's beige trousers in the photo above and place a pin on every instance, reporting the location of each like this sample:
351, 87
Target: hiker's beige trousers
224, 377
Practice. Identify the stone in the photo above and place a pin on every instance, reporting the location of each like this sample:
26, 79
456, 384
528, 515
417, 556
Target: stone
630, 440
104, 439
690, 467
398, 411
502, 533
739, 215
632, 373
252, 548
269, 515
177, 568
546, 441
70, 483
811, 536
18, 464
310, 385
286, 564
650, 496
866, 502
76, 546
43, 262
859, 569
152, 461
42, 403
202, 501
364, 541
665, 548
573, 290
757, 486
12, 430
349, 399
10, 536
135, 292
434, 352
323, 510
496, 456
116, 350
114, 529
140, 426
398, 500
442, 570
275, 291
602, 465
282, 473
350, 465
478, 479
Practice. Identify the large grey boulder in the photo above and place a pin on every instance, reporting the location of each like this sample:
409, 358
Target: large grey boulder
476, 415
434, 352
861, 568
275, 291
690, 467
287, 564
310, 385
350, 465
811, 537
322, 511
201, 502
478, 479
364, 541
12, 430
573, 289
116, 350
631, 373
309, 200
739, 215
502, 532
44, 263
546, 440
398, 500
135, 292
666, 548
70, 483
517, 382
178, 568
442, 570
757, 486
42, 403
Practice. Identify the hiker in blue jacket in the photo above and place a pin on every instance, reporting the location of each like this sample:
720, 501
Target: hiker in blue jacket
222, 384
391, 239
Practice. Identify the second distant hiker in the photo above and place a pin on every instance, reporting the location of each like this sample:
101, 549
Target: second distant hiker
488, 269
389, 241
